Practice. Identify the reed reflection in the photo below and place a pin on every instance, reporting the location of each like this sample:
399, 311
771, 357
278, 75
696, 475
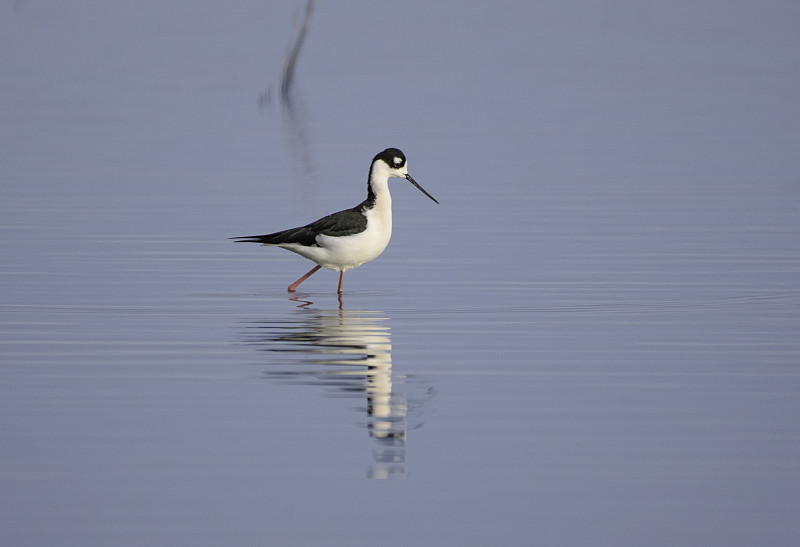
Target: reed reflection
294, 110
349, 354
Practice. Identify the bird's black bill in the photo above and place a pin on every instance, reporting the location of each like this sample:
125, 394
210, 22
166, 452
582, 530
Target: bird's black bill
421, 189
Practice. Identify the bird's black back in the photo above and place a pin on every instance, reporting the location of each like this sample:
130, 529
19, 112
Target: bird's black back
343, 223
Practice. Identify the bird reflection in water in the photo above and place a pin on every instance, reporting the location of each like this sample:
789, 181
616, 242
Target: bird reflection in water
349, 354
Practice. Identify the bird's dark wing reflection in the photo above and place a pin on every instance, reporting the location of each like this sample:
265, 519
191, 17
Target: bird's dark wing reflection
349, 354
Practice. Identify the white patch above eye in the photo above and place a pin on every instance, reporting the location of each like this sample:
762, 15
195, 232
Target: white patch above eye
397, 161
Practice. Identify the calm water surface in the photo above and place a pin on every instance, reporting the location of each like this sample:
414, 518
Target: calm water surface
592, 340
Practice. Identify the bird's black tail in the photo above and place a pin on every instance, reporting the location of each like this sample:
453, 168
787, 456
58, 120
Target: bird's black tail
305, 235
265, 239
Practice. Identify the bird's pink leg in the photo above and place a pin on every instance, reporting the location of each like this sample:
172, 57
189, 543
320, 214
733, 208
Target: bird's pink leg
296, 284
341, 278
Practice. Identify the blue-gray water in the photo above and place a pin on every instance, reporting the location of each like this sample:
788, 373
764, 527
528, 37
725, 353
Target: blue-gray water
593, 340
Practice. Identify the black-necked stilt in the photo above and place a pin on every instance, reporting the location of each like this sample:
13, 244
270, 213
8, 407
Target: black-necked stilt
349, 238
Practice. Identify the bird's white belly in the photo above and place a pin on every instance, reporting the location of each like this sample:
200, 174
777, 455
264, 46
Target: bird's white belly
345, 253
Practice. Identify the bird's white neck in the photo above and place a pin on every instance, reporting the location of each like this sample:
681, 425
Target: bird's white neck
378, 186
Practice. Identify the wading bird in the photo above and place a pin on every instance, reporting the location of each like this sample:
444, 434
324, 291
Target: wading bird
347, 239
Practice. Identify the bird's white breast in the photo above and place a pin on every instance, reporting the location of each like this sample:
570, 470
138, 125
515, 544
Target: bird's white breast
345, 253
